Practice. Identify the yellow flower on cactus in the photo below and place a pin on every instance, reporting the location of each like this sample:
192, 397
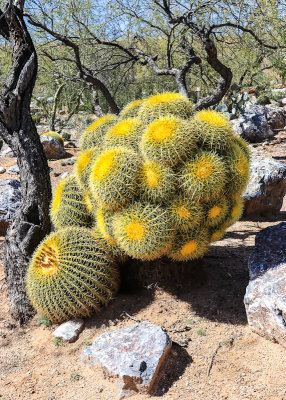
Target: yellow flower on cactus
143, 231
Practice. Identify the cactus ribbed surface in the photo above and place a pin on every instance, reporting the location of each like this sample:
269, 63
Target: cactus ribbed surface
188, 245
204, 176
131, 109
157, 183
94, 134
113, 179
143, 231
71, 274
165, 104
54, 135
185, 212
125, 133
168, 140
68, 207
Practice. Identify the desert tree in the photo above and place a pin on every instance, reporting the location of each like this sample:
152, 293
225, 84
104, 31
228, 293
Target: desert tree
31, 222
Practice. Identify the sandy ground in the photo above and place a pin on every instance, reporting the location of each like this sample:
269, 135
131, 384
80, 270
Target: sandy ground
203, 314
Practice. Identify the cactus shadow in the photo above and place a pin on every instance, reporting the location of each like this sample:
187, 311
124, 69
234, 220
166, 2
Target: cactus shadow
126, 304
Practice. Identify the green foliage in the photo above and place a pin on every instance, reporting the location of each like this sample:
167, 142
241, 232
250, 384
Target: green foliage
263, 99
58, 342
71, 274
45, 322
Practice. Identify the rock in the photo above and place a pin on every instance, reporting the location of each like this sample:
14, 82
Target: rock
134, 354
52, 148
266, 187
265, 298
68, 162
10, 201
70, 330
7, 152
70, 145
2, 170
65, 175
13, 170
55, 173
275, 117
253, 125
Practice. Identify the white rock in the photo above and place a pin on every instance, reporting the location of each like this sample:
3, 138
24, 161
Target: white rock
70, 330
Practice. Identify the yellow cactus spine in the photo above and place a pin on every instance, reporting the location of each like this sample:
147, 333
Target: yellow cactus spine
94, 134
83, 166
216, 211
143, 231
126, 133
204, 176
238, 167
189, 245
68, 207
131, 109
165, 104
168, 140
114, 178
213, 129
243, 145
71, 274
157, 183
104, 225
185, 212
236, 209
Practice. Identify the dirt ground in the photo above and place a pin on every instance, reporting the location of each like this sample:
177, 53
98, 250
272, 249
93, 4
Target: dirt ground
214, 354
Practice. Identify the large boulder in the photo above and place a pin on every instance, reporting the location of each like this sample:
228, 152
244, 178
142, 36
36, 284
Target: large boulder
265, 298
54, 150
10, 200
258, 122
266, 187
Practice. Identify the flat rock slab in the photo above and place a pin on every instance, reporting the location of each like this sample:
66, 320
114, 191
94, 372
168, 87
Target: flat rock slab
70, 330
135, 354
265, 298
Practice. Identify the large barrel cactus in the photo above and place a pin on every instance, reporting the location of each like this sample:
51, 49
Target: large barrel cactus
71, 274
159, 180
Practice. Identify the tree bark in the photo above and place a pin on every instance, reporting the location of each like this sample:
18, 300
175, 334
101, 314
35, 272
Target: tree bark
31, 222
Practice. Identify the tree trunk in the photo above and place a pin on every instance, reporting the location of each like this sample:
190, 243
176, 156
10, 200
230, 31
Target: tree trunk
181, 83
31, 223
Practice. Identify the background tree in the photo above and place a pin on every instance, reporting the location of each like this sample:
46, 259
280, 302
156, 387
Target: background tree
31, 223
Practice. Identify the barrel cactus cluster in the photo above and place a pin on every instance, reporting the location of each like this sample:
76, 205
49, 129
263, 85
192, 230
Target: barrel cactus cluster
158, 180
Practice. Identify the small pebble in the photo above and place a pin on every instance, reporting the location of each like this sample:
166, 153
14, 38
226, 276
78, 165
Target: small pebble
65, 175
55, 173
2, 170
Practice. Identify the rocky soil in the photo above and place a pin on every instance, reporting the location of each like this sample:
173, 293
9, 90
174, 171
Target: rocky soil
214, 355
